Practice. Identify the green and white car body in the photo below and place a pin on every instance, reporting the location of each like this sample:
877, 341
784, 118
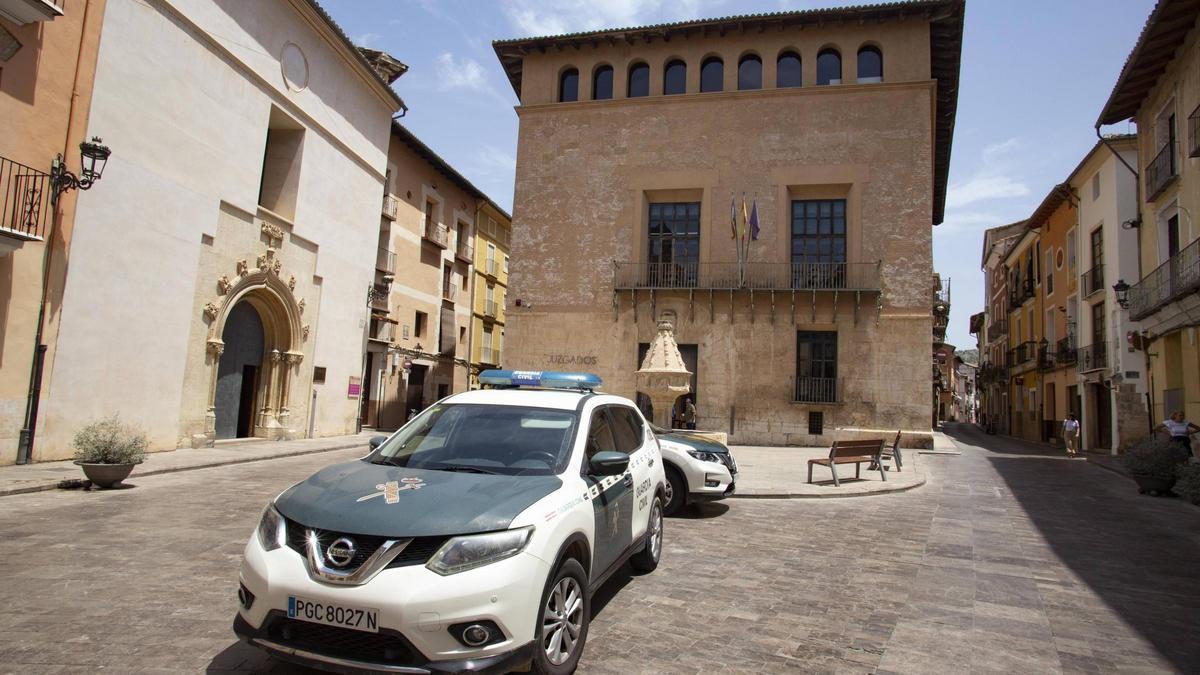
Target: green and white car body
698, 468
469, 540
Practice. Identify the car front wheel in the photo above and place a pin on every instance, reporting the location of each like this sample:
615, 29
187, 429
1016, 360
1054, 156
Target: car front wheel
676, 491
563, 623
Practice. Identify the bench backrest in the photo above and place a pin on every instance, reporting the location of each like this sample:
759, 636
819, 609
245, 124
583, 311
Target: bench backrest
855, 448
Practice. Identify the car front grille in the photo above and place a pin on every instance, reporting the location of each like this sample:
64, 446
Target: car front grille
418, 551
385, 647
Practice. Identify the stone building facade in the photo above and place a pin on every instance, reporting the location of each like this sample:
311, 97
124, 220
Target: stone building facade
216, 284
833, 125
992, 334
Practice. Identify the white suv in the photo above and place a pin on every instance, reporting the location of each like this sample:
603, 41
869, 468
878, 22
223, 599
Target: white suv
698, 468
470, 540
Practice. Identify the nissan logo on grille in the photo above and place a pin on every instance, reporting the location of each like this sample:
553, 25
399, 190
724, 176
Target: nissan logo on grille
340, 552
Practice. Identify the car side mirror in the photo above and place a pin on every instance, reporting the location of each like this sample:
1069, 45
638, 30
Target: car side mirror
608, 463
376, 441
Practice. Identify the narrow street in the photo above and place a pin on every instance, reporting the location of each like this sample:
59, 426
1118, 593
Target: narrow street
1010, 560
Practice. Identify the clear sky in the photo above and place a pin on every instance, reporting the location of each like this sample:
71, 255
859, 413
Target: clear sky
1035, 74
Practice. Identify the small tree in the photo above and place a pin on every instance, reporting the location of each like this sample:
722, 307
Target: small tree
1154, 458
108, 441
1187, 482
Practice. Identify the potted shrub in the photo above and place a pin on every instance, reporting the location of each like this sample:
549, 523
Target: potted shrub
1152, 464
1187, 481
108, 450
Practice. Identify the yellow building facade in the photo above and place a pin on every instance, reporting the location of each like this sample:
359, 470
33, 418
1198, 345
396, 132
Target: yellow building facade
1024, 336
493, 235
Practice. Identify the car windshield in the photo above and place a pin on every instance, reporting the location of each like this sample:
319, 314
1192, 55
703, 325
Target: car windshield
474, 438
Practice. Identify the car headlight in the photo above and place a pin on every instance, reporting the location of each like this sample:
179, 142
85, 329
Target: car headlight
471, 551
272, 531
705, 456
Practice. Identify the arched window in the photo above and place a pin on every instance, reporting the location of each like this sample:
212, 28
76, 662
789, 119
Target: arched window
675, 77
602, 81
639, 81
870, 65
787, 70
568, 85
829, 67
750, 72
712, 74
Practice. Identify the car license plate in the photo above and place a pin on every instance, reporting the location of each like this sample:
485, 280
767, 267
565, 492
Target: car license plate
332, 614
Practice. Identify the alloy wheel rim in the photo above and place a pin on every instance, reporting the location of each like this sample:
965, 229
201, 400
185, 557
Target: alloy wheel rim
656, 530
669, 492
562, 621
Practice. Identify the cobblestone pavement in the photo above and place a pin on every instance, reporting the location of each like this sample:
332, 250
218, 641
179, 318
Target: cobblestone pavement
1009, 560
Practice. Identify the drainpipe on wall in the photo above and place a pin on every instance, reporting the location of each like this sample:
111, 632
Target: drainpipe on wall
33, 399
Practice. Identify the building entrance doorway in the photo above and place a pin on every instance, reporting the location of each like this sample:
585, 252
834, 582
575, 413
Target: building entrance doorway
414, 398
1101, 436
238, 373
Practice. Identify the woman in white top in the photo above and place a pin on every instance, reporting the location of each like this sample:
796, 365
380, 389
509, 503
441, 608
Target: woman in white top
1180, 429
1071, 434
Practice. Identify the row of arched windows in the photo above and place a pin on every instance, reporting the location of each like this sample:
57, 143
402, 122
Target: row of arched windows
712, 74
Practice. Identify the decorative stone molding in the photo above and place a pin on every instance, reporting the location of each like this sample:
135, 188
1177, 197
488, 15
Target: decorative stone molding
305, 330
301, 305
272, 231
223, 284
216, 347
211, 311
267, 262
242, 268
292, 282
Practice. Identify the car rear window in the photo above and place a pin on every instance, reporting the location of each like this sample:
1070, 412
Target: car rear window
509, 440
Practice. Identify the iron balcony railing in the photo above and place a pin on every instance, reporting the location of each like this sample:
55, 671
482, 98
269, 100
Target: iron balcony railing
1093, 357
489, 356
1093, 280
489, 308
817, 390
382, 331
1023, 291
1046, 358
1023, 353
464, 251
1170, 281
997, 329
941, 292
385, 261
1065, 353
1194, 133
379, 299
438, 234
25, 200
490, 267
1160, 172
450, 292
757, 276
391, 206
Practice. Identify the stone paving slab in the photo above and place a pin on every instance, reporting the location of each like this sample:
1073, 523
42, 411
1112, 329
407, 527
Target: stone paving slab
782, 473
40, 476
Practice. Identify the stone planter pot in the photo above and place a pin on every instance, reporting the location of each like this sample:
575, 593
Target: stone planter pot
106, 475
1154, 485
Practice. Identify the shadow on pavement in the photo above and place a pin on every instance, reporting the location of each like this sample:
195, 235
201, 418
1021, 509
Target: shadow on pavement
702, 511
971, 434
1137, 554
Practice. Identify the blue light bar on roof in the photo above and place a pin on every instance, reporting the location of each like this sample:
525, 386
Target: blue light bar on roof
539, 378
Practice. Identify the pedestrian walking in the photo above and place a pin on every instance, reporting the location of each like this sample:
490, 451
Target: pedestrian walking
689, 414
1180, 429
1071, 435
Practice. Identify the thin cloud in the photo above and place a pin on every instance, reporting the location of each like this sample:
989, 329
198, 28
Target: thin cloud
530, 17
366, 39
996, 178
464, 73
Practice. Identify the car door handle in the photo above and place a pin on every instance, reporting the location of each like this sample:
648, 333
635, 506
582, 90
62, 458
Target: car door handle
628, 480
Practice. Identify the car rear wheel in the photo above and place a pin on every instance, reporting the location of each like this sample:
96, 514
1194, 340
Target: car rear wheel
563, 621
676, 491
647, 559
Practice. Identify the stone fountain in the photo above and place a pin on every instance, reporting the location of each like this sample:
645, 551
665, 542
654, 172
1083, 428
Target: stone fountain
663, 376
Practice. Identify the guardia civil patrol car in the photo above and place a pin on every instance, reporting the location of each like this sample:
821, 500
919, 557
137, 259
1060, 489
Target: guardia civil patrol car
698, 469
469, 540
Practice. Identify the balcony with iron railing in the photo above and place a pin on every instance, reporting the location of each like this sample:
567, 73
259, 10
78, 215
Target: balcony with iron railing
1170, 281
1022, 293
1093, 357
489, 309
25, 201
997, 329
382, 331
755, 276
1065, 353
489, 356
817, 390
380, 297
1023, 354
450, 292
436, 234
1161, 171
1093, 280
465, 251
491, 267
385, 261
391, 206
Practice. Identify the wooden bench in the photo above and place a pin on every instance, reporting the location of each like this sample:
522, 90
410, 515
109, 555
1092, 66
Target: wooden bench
851, 452
892, 453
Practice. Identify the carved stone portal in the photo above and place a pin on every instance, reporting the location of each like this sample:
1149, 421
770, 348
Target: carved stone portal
663, 376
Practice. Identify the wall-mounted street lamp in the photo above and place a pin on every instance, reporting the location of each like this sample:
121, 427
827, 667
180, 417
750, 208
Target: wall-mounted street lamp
93, 155
1122, 290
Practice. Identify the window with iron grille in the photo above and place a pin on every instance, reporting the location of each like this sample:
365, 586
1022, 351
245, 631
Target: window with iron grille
816, 423
816, 366
819, 230
674, 242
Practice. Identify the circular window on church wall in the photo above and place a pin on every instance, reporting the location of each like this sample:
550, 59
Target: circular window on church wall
1058, 259
294, 66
